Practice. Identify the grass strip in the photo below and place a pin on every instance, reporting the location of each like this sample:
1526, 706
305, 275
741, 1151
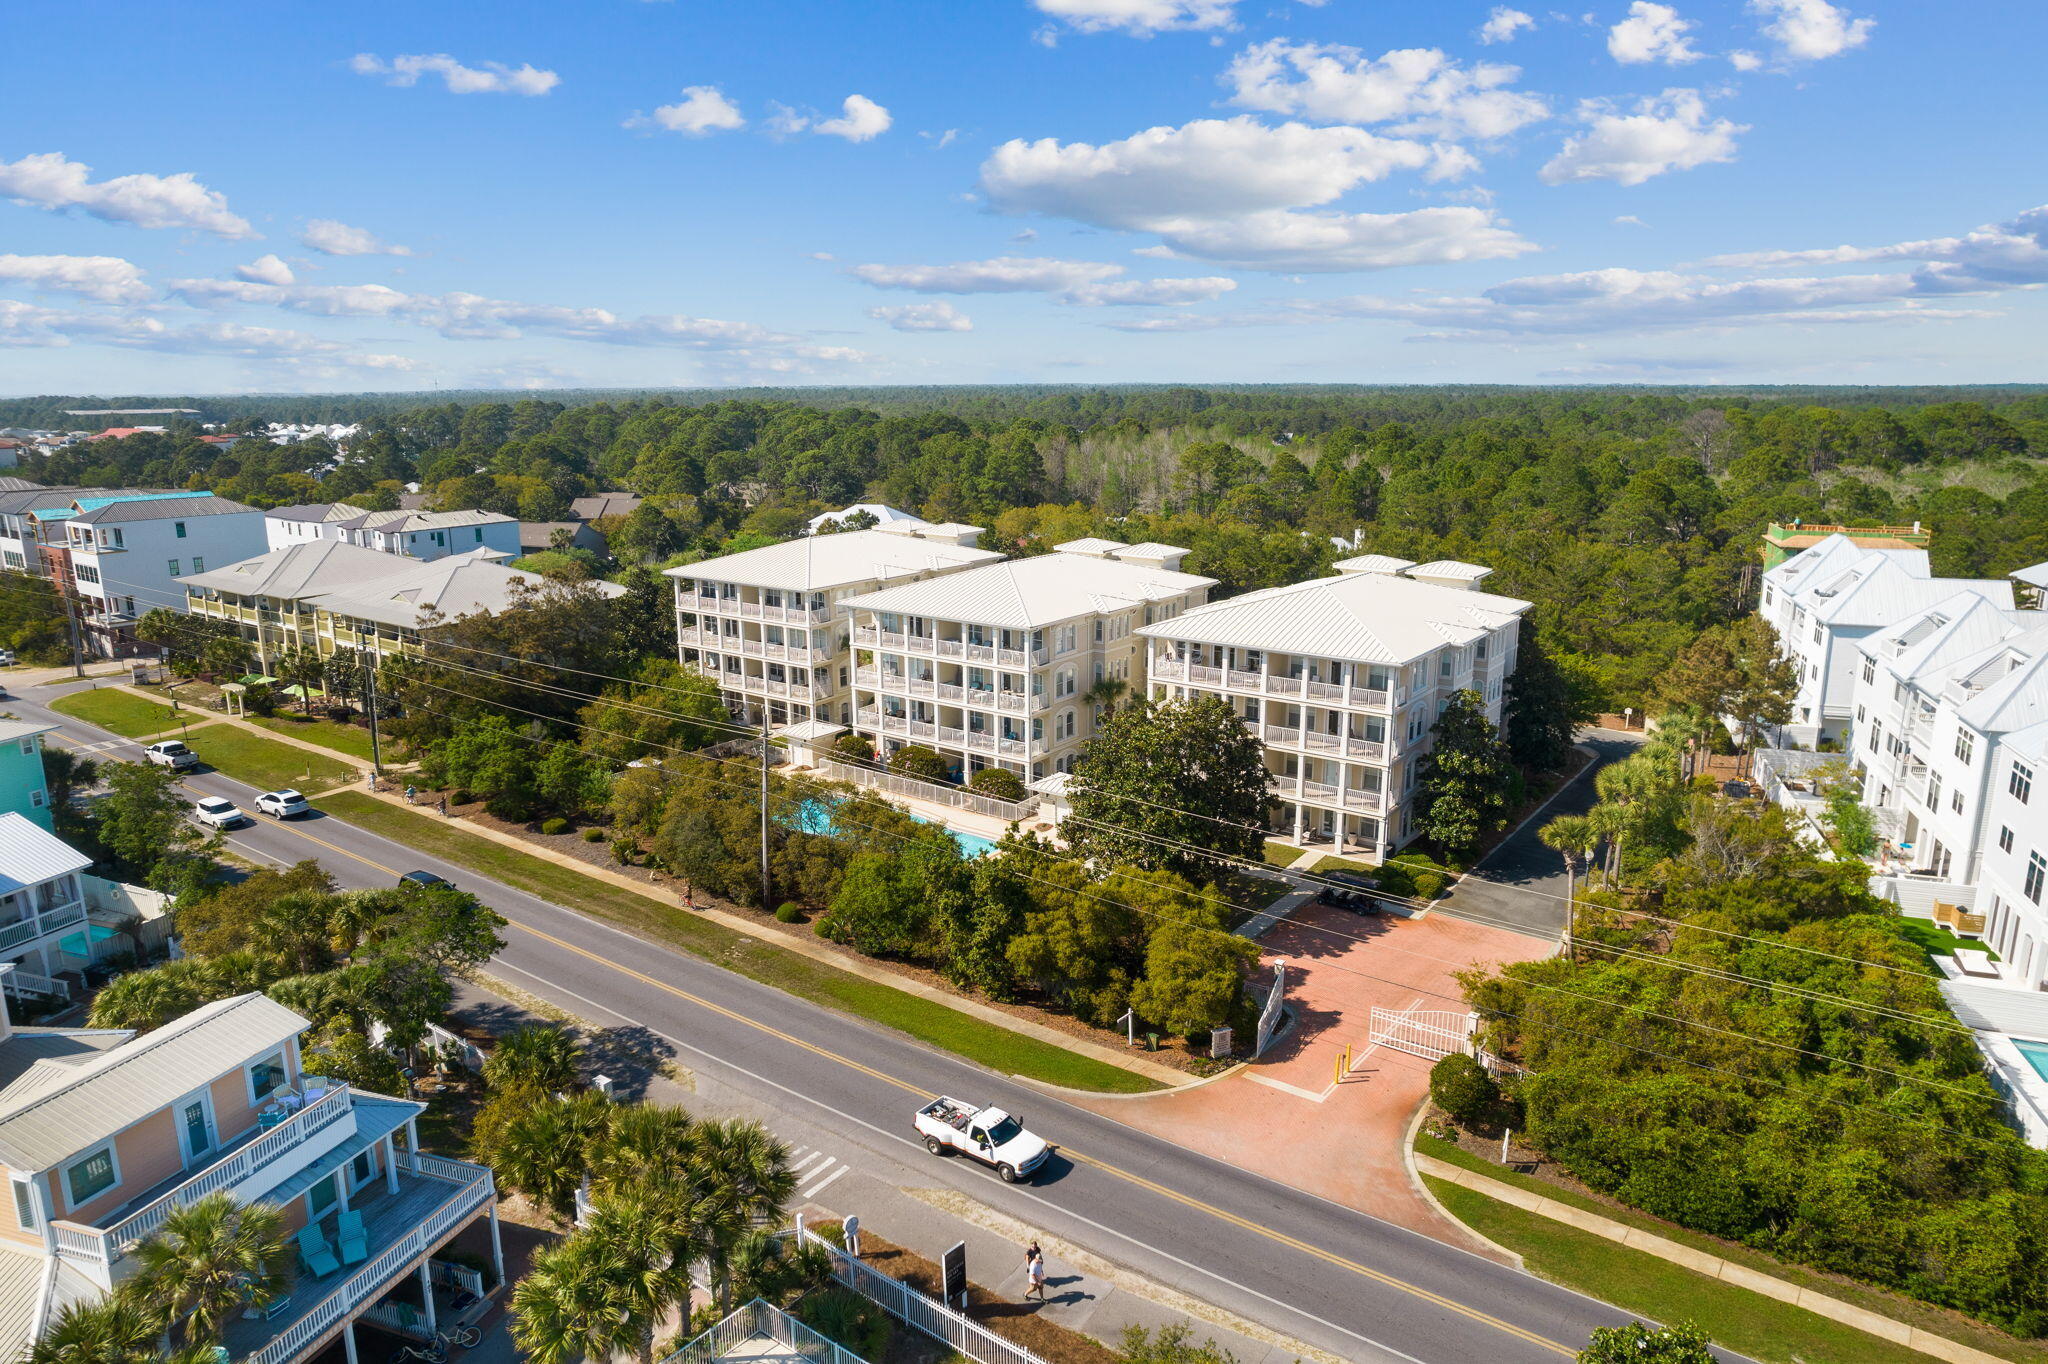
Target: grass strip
1870, 1298
1937, 941
132, 717
987, 1043
1760, 1327
1281, 854
349, 739
265, 763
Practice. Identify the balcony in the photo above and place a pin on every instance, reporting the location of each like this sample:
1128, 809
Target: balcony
436, 1197
29, 927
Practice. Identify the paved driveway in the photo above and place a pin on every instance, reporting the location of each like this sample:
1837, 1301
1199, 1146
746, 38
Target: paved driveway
1520, 885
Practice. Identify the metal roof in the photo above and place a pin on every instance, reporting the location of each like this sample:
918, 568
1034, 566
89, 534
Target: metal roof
1020, 594
57, 1110
31, 855
817, 562
12, 729
159, 507
1372, 563
1365, 617
24, 1047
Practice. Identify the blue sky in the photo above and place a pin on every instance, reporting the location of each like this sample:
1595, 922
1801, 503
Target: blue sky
653, 192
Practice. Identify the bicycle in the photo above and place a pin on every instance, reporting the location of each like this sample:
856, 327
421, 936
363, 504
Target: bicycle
436, 1353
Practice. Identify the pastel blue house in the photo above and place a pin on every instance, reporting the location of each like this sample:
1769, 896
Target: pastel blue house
22, 789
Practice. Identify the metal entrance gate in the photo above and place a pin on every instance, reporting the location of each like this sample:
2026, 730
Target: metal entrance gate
1431, 1034
1269, 1016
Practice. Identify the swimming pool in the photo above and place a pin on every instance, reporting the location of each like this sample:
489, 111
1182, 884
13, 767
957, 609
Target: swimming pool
814, 817
2036, 1054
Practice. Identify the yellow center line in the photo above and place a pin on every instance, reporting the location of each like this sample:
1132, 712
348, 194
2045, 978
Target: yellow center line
1292, 1243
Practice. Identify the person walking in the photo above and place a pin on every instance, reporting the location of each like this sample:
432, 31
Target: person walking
1034, 1270
410, 793
851, 1228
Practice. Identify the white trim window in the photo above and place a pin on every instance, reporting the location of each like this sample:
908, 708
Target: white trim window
267, 1076
91, 1175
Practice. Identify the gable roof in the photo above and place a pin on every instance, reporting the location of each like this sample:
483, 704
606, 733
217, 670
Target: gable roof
1366, 617
816, 562
1020, 594
57, 1109
604, 504
371, 585
155, 507
31, 855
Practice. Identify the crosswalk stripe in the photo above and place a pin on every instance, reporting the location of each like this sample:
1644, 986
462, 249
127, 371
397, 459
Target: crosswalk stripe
807, 1160
820, 1187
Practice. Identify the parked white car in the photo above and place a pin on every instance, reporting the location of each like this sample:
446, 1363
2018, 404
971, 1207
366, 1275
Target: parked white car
6, 658
990, 1135
282, 804
171, 753
220, 813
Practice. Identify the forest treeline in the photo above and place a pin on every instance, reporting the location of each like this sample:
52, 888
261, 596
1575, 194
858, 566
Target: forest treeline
1630, 517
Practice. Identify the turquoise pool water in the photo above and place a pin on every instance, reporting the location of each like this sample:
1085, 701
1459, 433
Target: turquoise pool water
2036, 1054
814, 818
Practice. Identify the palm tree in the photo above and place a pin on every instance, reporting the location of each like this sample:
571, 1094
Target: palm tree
1107, 694
568, 1307
647, 1253
1574, 837
545, 1152
302, 667
542, 1056
211, 1259
742, 1180
117, 1329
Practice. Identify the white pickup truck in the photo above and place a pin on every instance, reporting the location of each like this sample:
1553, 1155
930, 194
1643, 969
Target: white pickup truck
988, 1134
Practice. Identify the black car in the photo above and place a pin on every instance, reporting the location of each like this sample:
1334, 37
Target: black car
1348, 890
423, 878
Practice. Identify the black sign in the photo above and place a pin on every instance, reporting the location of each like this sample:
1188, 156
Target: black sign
954, 1269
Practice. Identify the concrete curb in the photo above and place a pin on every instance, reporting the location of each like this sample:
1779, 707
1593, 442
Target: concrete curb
1713, 1266
1408, 1159
1165, 1075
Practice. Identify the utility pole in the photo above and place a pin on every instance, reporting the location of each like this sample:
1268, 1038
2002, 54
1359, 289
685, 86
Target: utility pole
77, 648
370, 696
764, 807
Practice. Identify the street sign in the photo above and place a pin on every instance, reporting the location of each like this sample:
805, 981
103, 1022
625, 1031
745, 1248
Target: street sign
954, 1272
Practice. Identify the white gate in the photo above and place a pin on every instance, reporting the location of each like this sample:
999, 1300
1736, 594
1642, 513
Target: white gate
1431, 1034
1269, 1016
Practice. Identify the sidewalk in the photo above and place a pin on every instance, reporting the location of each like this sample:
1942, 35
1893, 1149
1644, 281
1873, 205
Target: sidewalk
817, 951
1713, 1266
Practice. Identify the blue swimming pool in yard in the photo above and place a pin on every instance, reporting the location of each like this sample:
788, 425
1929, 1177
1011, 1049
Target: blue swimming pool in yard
814, 817
2036, 1054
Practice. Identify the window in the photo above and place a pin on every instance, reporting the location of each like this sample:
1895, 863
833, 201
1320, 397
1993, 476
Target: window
175, 570
179, 527
28, 745
1934, 790
198, 564
479, 532
87, 1179
24, 1204
1955, 800
1966, 744
2021, 782
2037, 871
320, 1198
362, 1167
266, 1077
1870, 670
35, 798
2004, 839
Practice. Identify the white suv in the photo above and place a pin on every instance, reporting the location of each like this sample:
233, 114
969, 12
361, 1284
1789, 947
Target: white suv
282, 804
221, 814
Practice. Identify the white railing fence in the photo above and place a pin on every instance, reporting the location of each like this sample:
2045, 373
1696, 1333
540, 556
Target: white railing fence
738, 1336
913, 1308
1431, 1034
1008, 811
1269, 1015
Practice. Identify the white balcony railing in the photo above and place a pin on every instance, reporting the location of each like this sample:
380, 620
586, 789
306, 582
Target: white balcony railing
29, 927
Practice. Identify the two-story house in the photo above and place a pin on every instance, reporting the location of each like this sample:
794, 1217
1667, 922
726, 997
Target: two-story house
104, 1133
414, 534
126, 552
23, 789
992, 666
769, 625
56, 919
1342, 678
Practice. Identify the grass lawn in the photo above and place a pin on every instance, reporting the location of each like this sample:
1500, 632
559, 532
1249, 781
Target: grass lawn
353, 740
266, 764
987, 1043
123, 713
1520, 1230
1762, 1328
1281, 854
1937, 941
1330, 863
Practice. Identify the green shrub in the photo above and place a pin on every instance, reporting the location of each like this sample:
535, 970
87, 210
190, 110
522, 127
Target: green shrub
555, 824
1397, 880
787, 913
593, 835
915, 760
1636, 1343
461, 797
1428, 885
1462, 1088
999, 782
853, 748
850, 1319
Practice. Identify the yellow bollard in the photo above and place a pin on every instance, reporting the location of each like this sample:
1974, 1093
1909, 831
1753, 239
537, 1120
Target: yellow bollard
1343, 1063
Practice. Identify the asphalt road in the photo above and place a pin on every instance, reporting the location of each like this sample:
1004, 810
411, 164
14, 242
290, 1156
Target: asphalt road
1324, 1274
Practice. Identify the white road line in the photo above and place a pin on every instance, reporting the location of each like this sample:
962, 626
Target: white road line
816, 1189
807, 1160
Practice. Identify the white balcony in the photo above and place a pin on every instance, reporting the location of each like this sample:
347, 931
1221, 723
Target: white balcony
29, 927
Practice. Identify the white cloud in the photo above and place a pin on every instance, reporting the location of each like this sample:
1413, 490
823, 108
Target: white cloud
924, 317
860, 120
1652, 33
1429, 93
784, 121
107, 279
266, 269
486, 78
1140, 18
1090, 284
1503, 24
1664, 132
1998, 256
1811, 30
24, 325
941, 141
701, 111
1745, 61
52, 181
1229, 190
331, 238
1629, 220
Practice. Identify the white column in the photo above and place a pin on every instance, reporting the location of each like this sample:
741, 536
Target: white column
390, 1164
412, 1135
497, 1246
341, 1188
348, 1340
427, 1292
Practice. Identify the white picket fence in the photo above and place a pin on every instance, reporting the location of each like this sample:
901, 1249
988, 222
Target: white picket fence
1431, 1034
913, 1308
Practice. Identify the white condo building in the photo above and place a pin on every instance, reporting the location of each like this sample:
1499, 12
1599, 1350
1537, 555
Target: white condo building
1342, 678
991, 667
1824, 601
2013, 894
769, 625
